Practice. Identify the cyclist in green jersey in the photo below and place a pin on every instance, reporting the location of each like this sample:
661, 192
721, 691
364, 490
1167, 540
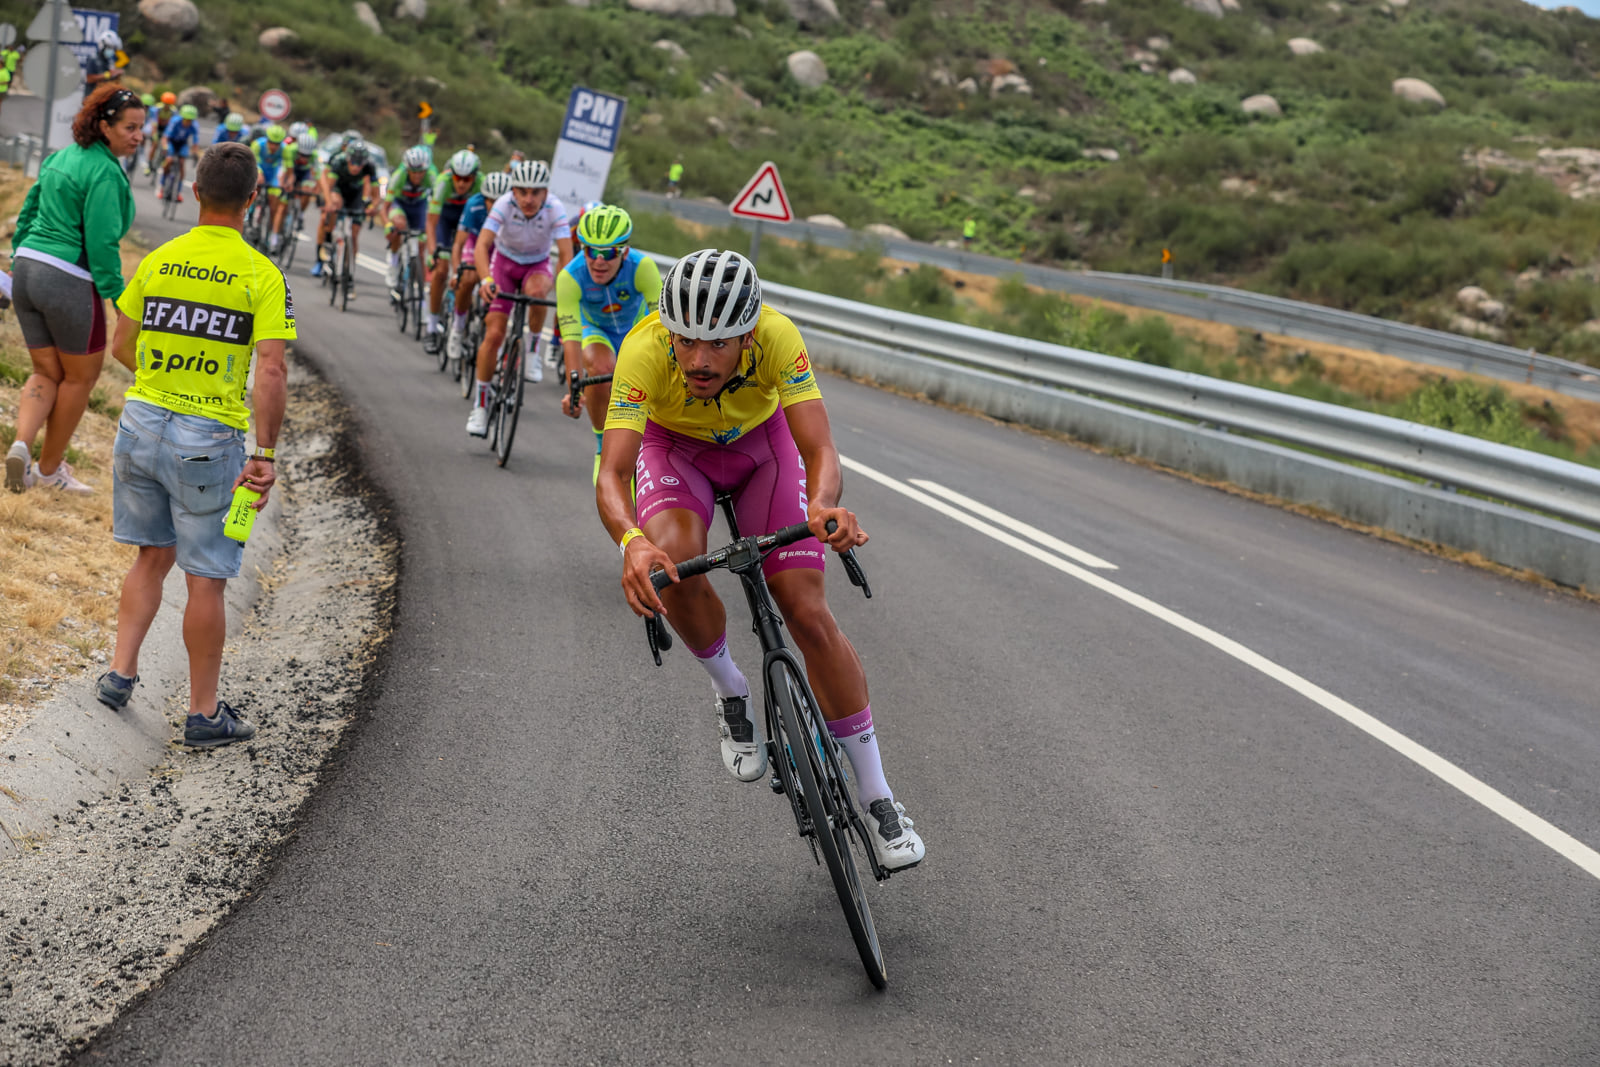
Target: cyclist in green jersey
407, 199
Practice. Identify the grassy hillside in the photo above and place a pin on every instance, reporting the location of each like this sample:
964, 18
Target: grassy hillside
1352, 197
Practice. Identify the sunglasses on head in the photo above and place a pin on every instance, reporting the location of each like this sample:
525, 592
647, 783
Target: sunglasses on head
606, 254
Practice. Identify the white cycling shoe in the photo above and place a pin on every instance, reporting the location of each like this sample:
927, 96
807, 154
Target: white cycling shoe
478, 422
452, 347
897, 846
744, 749
391, 276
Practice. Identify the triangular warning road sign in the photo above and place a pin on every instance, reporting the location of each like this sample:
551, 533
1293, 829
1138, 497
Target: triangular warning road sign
763, 197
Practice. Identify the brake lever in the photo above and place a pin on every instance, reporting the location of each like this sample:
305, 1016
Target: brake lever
858, 577
658, 637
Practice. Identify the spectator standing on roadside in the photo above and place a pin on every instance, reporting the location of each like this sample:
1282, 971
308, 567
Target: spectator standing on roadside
65, 258
969, 231
674, 176
197, 310
102, 66
9, 58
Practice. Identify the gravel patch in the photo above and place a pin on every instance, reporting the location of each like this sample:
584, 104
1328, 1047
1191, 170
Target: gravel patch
95, 913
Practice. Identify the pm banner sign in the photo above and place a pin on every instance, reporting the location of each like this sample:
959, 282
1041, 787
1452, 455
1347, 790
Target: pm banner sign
588, 141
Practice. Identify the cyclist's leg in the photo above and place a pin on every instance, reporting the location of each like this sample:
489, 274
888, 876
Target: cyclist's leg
538, 283
675, 502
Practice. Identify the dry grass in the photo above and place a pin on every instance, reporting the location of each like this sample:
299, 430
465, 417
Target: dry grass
60, 572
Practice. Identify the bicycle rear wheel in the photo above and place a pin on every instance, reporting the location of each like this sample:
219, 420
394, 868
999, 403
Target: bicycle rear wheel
828, 804
414, 295
330, 270
291, 235
467, 371
169, 193
402, 304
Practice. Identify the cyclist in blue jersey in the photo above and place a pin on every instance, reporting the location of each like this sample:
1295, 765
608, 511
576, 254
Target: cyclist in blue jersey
181, 132
270, 157
458, 184
232, 129
600, 295
462, 268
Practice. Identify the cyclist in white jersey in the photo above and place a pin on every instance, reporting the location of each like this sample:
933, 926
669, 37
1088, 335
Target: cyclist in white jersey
515, 242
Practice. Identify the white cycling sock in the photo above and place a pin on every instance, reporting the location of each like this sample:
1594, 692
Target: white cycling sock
726, 678
394, 259
461, 320
433, 322
483, 395
860, 743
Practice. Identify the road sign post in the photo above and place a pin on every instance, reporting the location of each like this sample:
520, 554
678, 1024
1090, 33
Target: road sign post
762, 199
55, 24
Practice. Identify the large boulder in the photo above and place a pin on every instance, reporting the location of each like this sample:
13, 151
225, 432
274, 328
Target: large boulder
198, 95
688, 9
367, 17
1417, 91
967, 85
1261, 104
170, 18
1109, 155
1205, 7
807, 68
1182, 76
1304, 46
416, 10
672, 48
883, 229
813, 13
1470, 296
275, 38
832, 222
1014, 83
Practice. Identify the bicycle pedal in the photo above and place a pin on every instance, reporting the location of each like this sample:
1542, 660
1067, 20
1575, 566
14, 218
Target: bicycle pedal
777, 785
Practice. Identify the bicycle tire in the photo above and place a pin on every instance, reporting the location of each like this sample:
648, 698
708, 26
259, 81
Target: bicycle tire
291, 236
415, 297
402, 304
330, 273
347, 277
800, 718
510, 399
468, 370
169, 199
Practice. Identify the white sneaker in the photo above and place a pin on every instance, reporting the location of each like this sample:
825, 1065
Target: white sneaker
533, 366
272, 244
452, 347
478, 422
744, 749
896, 844
391, 277
19, 468
62, 480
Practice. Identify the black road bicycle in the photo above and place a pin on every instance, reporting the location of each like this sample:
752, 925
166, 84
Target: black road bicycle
466, 368
339, 271
406, 296
293, 221
576, 385
506, 404
258, 220
807, 764
171, 189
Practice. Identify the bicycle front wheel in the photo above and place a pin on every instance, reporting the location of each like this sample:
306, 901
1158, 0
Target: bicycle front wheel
347, 276
510, 398
414, 296
827, 805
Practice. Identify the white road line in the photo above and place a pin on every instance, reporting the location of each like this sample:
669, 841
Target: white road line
1000, 518
1523, 819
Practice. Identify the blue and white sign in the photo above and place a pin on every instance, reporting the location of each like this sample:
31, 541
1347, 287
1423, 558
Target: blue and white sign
585, 148
93, 24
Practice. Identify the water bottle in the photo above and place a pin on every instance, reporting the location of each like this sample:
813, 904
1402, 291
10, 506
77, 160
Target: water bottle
241, 513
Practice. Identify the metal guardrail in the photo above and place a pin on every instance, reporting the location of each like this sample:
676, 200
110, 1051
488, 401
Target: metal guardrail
1212, 303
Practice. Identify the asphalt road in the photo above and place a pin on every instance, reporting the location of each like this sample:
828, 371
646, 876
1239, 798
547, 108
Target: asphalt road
1142, 849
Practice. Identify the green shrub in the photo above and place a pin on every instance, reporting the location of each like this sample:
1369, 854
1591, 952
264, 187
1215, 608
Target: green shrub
1464, 406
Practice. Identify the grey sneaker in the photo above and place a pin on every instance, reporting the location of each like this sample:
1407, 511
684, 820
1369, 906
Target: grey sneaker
115, 690
62, 480
204, 731
19, 467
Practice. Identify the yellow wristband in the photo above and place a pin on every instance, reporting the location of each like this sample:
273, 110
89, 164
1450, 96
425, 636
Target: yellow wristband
629, 536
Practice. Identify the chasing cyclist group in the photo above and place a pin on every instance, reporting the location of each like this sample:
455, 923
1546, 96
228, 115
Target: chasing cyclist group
712, 391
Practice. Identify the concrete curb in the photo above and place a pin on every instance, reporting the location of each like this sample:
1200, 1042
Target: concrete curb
76, 749
1565, 553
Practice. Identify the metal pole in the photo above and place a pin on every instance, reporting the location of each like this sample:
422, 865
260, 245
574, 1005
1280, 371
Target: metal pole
50, 79
755, 242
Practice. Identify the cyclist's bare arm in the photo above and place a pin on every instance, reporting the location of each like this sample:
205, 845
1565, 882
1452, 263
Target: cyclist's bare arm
433, 236
564, 250
619, 451
813, 436
482, 254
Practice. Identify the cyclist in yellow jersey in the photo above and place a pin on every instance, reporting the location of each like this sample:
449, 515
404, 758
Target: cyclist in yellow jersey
198, 311
715, 392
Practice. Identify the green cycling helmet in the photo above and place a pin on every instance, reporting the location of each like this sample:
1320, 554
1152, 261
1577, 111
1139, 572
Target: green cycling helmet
148, 100
189, 111
276, 133
605, 226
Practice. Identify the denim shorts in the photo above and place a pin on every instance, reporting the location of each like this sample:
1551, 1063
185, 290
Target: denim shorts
172, 482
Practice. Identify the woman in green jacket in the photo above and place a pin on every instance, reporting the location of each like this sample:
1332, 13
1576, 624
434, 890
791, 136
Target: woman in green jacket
66, 258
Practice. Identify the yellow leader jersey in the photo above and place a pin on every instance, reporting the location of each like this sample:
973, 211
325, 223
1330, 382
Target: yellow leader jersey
648, 385
203, 302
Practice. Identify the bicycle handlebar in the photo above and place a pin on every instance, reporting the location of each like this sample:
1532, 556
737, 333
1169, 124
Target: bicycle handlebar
576, 384
518, 298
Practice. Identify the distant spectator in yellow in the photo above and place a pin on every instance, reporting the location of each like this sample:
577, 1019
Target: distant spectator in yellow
969, 231
675, 176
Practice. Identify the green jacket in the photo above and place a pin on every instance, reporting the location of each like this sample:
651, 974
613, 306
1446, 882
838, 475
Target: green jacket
78, 211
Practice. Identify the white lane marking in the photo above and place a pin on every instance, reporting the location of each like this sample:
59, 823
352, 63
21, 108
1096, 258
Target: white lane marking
1000, 518
1544, 832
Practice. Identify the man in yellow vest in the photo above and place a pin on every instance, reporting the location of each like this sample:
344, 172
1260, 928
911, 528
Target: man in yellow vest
969, 231
674, 176
9, 57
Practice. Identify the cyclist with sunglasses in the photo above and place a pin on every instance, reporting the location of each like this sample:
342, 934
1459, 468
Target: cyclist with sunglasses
600, 295
461, 180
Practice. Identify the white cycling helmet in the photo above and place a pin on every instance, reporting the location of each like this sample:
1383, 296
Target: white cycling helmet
496, 185
710, 295
109, 39
306, 143
417, 158
298, 130
464, 164
530, 174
